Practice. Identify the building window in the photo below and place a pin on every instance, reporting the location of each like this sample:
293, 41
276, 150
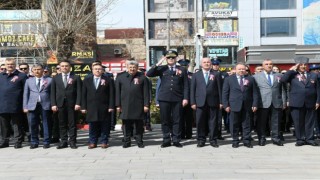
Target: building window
278, 27
211, 5
179, 29
175, 5
156, 54
276, 4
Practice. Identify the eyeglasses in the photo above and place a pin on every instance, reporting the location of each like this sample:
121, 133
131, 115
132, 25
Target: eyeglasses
23, 69
170, 57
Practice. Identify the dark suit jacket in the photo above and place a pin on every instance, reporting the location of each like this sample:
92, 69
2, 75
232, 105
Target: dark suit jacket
132, 94
11, 92
97, 101
72, 93
174, 87
202, 93
233, 97
301, 93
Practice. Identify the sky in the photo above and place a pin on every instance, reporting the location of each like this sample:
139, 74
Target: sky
125, 14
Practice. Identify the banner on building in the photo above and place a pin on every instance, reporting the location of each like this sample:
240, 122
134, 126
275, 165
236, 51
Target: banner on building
221, 14
29, 40
221, 39
311, 22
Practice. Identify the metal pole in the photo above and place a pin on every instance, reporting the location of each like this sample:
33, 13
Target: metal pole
168, 26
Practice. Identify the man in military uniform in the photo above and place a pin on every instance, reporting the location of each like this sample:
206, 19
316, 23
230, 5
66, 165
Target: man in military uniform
315, 68
187, 117
215, 68
173, 96
304, 100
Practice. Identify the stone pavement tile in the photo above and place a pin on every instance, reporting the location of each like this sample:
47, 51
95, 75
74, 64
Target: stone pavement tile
169, 176
138, 175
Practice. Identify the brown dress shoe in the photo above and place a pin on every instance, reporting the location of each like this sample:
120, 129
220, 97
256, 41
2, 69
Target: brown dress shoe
104, 146
91, 146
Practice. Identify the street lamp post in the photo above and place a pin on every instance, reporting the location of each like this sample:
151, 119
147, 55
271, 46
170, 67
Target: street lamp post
168, 25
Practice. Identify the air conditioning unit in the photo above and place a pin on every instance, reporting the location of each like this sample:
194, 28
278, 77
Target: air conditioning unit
117, 51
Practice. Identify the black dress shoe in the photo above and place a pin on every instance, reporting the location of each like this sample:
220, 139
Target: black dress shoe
299, 143
214, 144
220, 137
262, 143
4, 145
248, 145
34, 146
200, 144
18, 146
312, 143
126, 145
62, 146
278, 143
235, 145
164, 145
73, 145
177, 144
140, 145
54, 140
46, 146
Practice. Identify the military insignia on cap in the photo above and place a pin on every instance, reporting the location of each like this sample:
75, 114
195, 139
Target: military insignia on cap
171, 53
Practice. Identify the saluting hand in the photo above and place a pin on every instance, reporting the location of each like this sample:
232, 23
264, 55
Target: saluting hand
295, 67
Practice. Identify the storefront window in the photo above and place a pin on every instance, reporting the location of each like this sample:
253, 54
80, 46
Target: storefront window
278, 27
175, 5
227, 55
276, 4
209, 5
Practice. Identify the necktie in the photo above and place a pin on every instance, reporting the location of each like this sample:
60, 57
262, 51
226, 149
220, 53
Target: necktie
96, 82
38, 84
241, 83
269, 79
171, 70
303, 77
206, 75
65, 80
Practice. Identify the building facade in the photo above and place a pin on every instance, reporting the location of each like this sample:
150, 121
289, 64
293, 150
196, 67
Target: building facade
235, 30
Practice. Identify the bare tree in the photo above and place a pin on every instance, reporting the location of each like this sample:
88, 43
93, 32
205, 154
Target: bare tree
73, 21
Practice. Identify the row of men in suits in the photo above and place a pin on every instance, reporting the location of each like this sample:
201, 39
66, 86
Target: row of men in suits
240, 95
65, 94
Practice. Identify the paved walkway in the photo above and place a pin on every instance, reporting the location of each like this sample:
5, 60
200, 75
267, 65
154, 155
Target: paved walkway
153, 162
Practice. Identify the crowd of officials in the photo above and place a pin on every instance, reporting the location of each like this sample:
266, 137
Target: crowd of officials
268, 101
